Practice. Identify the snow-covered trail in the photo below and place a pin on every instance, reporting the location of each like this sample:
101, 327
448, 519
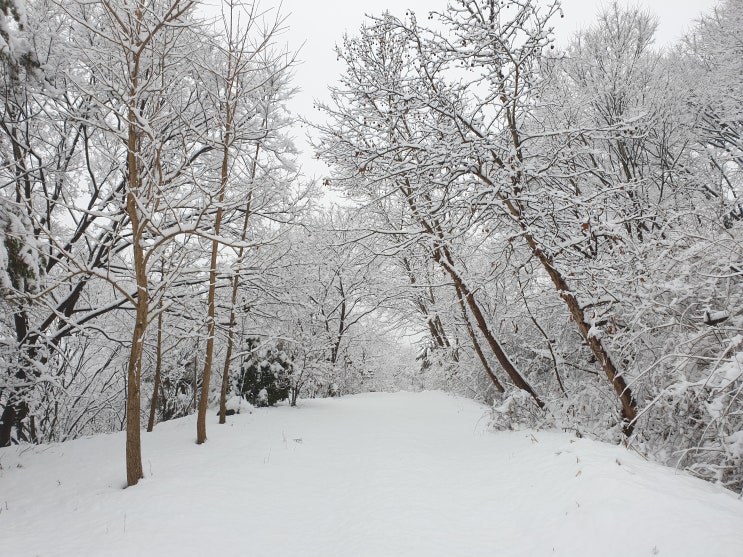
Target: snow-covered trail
379, 474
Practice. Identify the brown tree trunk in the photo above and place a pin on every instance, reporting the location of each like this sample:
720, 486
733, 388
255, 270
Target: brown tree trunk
443, 257
334, 352
476, 343
626, 398
133, 403
235, 289
482, 324
228, 354
158, 369
211, 312
513, 206
435, 327
624, 393
133, 443
133, 37
210, 329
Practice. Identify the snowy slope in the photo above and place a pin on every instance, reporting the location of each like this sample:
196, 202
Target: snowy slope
377, 474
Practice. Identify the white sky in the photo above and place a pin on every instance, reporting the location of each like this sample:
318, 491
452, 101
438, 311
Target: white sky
318, 25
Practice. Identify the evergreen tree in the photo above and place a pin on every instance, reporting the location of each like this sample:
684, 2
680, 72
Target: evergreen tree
265, 378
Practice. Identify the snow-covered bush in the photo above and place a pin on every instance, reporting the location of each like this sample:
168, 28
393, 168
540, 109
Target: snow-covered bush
265, 376
20, 260
238, 405
177, 388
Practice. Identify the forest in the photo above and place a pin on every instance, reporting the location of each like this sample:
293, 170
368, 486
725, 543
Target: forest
553, 230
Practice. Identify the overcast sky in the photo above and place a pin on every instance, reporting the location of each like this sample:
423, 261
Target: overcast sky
318, 25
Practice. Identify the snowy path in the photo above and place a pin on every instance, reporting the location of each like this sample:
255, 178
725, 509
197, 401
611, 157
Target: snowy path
371, 475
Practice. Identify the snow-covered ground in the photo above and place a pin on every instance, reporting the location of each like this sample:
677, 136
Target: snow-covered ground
379, 474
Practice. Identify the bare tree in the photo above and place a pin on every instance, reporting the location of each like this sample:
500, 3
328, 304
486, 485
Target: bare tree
251, 69
138, 59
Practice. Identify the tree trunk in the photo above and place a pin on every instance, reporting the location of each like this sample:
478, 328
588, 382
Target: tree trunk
211, 313
7, 421
235, 289
15, 407
133, 443
133, 405
476, 343
482, 324
210, 334
335, 350
593, 340
435, 326
626, 398
158, 369
443, 257
228, 354
514, 207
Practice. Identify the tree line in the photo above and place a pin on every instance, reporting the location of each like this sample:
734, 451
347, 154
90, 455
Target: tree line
153, 222
568, 219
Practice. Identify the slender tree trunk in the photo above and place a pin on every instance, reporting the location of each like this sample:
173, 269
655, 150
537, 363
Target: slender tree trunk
482, 325
335, 350
443, 257
133, 443
593, 340
158, 369
133, 403
228, 354
211, 313
7, 420
210, 326
233, 314
235, 289
476, 343
435, 326
16, 408
513, 206
195, 382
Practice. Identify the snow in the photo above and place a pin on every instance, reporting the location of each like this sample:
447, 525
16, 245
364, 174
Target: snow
402, 474
238, 405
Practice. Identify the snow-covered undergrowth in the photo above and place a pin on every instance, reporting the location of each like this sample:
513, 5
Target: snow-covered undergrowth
376, 474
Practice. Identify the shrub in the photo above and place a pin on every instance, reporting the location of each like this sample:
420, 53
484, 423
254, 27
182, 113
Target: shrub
265, 378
